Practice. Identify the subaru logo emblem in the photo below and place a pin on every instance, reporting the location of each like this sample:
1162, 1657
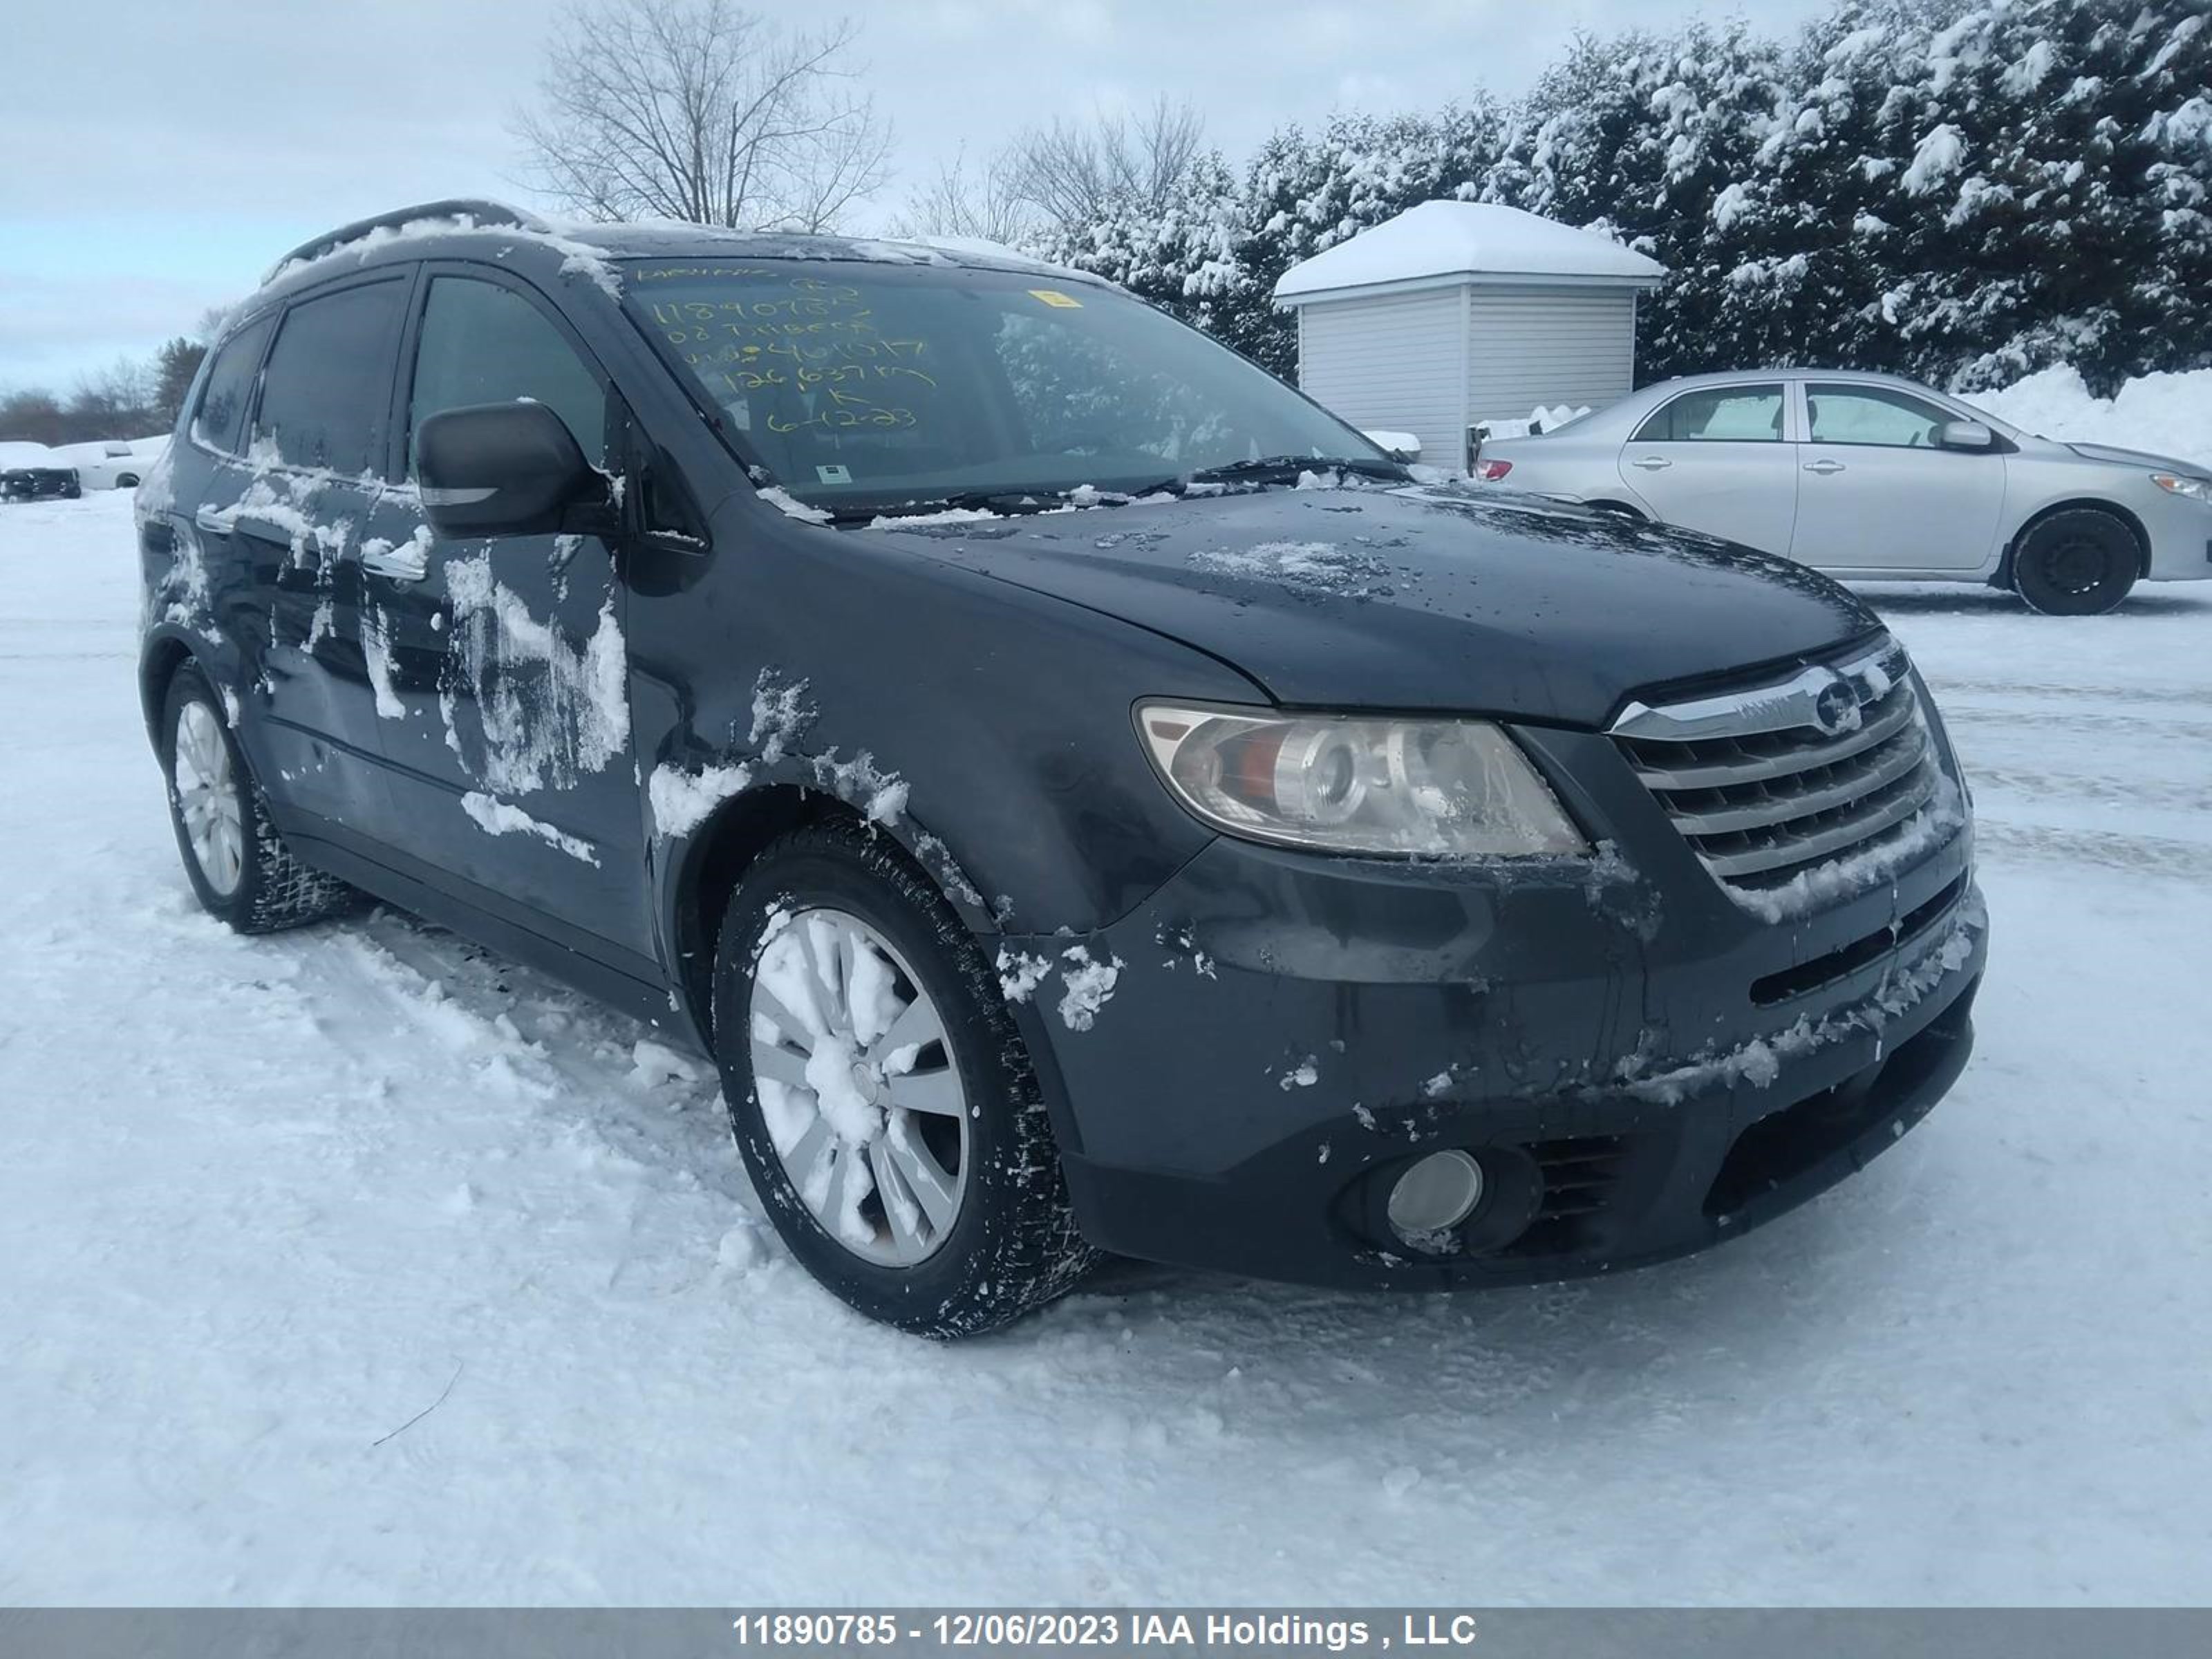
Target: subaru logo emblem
1836, 706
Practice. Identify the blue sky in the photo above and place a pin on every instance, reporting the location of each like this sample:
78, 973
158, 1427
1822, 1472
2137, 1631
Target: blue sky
161, 153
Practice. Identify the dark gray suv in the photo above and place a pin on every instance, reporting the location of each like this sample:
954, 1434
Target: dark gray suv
1085, 796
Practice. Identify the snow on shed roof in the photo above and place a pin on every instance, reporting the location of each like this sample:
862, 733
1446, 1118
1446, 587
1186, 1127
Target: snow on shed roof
1443, 241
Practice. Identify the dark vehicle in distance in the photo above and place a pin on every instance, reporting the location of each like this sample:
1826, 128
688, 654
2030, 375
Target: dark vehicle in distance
39, 483
933, 682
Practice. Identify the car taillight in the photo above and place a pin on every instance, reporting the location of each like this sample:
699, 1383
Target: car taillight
1491, 472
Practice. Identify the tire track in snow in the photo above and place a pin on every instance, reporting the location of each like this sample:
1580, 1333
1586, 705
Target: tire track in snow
522, 1036
1972, 717
2156, 855
2034, 784
1947, 690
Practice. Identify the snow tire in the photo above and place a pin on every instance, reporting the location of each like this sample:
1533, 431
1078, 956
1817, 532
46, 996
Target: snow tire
273, 890
1013, 1245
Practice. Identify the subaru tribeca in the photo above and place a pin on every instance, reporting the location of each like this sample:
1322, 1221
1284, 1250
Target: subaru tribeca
1086, 797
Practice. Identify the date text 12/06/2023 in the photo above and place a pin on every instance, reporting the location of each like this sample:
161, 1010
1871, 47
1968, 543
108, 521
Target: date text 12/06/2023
1228, 1631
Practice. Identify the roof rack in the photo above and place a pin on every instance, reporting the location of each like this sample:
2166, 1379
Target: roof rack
481, 211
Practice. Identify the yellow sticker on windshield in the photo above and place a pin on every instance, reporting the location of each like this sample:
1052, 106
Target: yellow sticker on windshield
1052, 297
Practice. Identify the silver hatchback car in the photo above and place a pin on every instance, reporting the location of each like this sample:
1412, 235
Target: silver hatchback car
1871, 477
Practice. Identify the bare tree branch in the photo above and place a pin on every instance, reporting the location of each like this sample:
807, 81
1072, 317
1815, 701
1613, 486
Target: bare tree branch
698, 111
1072, 173
981, 202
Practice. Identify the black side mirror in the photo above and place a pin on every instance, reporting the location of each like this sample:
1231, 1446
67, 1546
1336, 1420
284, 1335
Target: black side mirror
502, 470
1965, 434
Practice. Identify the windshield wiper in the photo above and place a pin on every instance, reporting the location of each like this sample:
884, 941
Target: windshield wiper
1008, 502
1273, 468
1286, 469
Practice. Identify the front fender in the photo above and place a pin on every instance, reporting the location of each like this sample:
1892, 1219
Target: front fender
986, 727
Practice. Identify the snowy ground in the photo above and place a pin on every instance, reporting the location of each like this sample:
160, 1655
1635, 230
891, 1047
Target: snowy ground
263, 1202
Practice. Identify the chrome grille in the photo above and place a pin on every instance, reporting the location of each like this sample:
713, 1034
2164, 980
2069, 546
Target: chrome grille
1765, 781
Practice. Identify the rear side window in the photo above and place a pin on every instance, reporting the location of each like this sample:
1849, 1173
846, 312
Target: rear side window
482, 343
219, 418
1724, 413
326, 394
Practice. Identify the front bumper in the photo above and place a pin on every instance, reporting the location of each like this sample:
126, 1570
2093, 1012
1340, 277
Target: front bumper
1641, 1067
2180, 531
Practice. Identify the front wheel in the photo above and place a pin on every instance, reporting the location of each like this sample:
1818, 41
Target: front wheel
2080, 562
880, 1096
240, 868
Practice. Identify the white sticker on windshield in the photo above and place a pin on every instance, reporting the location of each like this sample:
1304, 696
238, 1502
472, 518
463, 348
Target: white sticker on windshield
834, 474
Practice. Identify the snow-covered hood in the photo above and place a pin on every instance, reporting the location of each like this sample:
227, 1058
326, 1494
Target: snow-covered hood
2138, 458
1419, 598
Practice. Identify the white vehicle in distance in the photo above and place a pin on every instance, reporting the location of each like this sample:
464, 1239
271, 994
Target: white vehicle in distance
113, 464
1871, 478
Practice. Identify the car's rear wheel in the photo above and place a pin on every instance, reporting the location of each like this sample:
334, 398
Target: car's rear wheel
2080, 562
238, 867
880, 1096
127, 481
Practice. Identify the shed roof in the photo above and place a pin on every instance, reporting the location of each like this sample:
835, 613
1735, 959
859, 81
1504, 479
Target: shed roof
1441, 242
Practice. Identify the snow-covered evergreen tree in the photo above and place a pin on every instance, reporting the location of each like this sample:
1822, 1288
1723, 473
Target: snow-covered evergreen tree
2040, 208
1963, 190
1304, 195
1654, 140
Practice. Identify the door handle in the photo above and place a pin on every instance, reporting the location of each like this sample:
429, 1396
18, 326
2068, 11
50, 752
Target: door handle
1652, 463
1824, 467
261, 530
407, 563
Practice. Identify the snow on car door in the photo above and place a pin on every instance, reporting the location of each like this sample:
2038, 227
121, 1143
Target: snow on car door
509, 745
1876, 493
1714, 459
288, 515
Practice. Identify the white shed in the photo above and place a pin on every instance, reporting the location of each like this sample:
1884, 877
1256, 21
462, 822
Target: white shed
1459, 312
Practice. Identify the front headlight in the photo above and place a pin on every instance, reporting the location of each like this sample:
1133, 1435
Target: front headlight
2198, 490
1344, 783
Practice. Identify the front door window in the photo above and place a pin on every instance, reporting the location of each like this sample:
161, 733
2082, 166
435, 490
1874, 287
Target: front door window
1871, 415
510, 754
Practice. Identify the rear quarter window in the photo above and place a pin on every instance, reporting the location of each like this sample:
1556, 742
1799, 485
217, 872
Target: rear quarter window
219, 415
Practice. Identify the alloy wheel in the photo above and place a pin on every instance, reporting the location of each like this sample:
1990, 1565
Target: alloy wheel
207, 798
858, 1086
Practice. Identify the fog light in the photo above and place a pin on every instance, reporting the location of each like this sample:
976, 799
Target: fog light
1440, 1191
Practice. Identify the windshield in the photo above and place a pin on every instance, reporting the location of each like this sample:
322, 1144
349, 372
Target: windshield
862, 387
